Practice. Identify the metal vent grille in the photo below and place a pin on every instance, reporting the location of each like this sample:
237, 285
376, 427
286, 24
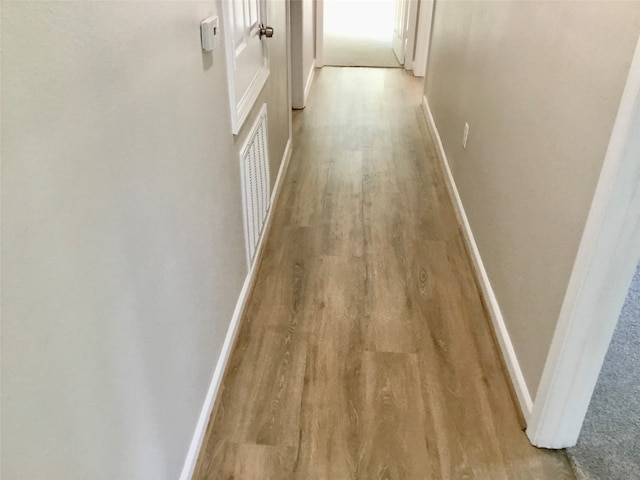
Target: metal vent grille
254, 162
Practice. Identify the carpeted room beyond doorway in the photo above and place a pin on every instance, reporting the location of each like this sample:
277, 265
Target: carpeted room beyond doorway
609, 443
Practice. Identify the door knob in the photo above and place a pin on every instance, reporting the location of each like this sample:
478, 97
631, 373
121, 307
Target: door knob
265, 31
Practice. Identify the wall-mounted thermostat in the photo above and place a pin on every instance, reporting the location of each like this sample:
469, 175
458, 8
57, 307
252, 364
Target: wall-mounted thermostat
210, 33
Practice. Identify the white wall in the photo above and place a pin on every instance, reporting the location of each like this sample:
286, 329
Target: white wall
302, 50
539, 84
122, 237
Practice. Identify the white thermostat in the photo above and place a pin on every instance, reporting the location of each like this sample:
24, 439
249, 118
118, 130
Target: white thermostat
210, 33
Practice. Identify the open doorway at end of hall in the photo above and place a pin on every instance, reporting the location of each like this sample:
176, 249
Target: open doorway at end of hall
373, 33
359, 33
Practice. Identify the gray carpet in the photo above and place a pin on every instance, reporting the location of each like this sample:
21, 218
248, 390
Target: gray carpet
609, 443
346, 51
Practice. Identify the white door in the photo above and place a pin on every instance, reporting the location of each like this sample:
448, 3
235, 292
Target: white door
399, 41
247, 55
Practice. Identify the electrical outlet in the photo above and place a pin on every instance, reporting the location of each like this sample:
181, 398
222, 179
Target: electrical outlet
465, 135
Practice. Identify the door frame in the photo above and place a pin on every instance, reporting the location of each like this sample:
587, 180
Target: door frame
411, 32
419, 35
319, 13
605, 263
423, 37
402, 8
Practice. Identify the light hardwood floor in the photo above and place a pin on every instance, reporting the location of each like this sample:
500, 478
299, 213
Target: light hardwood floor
365, 351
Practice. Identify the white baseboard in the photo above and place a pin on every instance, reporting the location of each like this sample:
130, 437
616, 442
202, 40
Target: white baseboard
307, 87
214, 386
515, 372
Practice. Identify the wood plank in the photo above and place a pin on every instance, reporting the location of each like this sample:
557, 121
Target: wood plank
332, 401
252, 462
393, 441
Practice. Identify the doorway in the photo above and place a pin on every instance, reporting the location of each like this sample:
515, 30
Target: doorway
359, 33
607, 257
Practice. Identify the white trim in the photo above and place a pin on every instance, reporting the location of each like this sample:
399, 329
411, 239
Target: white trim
230, 58
508, 352
412, 30
301, 78
277, 186
214, 387
319, 33
607, 256
289, 73
398, 44
423, 38
307, 86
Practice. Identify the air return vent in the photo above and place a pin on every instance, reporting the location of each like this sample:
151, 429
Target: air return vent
254, 165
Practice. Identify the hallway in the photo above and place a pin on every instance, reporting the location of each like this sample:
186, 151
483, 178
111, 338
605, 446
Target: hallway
365, 351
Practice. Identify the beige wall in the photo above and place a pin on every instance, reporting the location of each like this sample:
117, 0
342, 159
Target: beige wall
122, 237
539, 84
